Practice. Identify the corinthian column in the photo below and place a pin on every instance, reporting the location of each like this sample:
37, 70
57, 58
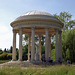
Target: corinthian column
20, 44
50, 46
60, 46
14, 46
29, 47
40, 46
56, 46
47, 45
33, 44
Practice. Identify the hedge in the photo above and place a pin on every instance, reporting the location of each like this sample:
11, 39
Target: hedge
5, 56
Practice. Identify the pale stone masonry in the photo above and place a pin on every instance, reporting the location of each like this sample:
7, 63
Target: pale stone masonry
14, 46
57, 46
33, 44
60, 46
20, 44
47, 45
37, 23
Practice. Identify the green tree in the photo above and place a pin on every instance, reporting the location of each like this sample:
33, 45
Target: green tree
10, 50
68, 44
25, 38
1, 51
67, 54
5, 50
71, 24
42, 49
25, 52
65, 17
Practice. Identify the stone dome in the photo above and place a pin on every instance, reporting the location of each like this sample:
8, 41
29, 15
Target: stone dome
36, 15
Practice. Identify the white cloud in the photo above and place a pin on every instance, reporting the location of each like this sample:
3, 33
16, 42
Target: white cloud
5, 37
3, 29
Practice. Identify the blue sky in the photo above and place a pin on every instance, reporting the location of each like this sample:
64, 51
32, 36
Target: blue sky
11, 9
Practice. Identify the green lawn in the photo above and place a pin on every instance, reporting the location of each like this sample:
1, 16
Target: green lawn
4, 61
49, 70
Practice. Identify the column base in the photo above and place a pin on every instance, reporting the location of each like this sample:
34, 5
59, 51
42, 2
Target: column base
28, 60
19, 59
13, 60
36, 62
32, 60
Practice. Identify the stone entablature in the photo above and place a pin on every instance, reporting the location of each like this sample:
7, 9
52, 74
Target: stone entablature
37, 21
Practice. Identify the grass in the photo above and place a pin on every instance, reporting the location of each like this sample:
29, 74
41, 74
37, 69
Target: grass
49, 70
3, 61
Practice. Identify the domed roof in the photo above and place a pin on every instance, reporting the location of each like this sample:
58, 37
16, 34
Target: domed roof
36, 15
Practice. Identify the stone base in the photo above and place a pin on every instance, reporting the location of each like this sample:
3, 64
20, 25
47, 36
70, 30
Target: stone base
27, 63
19, 63
36, 62
19, 59
13, 60
28, 60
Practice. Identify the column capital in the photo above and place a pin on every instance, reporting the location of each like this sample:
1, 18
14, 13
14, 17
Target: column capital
14, 31
20, 28
58, 30
47, 31
20, 31
39, 35
32, 28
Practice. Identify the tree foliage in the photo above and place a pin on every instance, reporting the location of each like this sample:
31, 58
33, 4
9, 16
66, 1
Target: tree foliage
5, 56
1, 51
25, 52
68, 44
65, 17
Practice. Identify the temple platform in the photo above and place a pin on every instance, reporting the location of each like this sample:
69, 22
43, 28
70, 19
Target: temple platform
25, 63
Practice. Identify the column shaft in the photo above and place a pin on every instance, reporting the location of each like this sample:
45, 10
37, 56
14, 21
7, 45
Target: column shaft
20, 44
60, 46
50, 46
29, 47
47, 45
14, 46
40, 46
56, 46
33, 44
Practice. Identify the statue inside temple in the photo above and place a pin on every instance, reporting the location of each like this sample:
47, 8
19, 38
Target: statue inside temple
37, 57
